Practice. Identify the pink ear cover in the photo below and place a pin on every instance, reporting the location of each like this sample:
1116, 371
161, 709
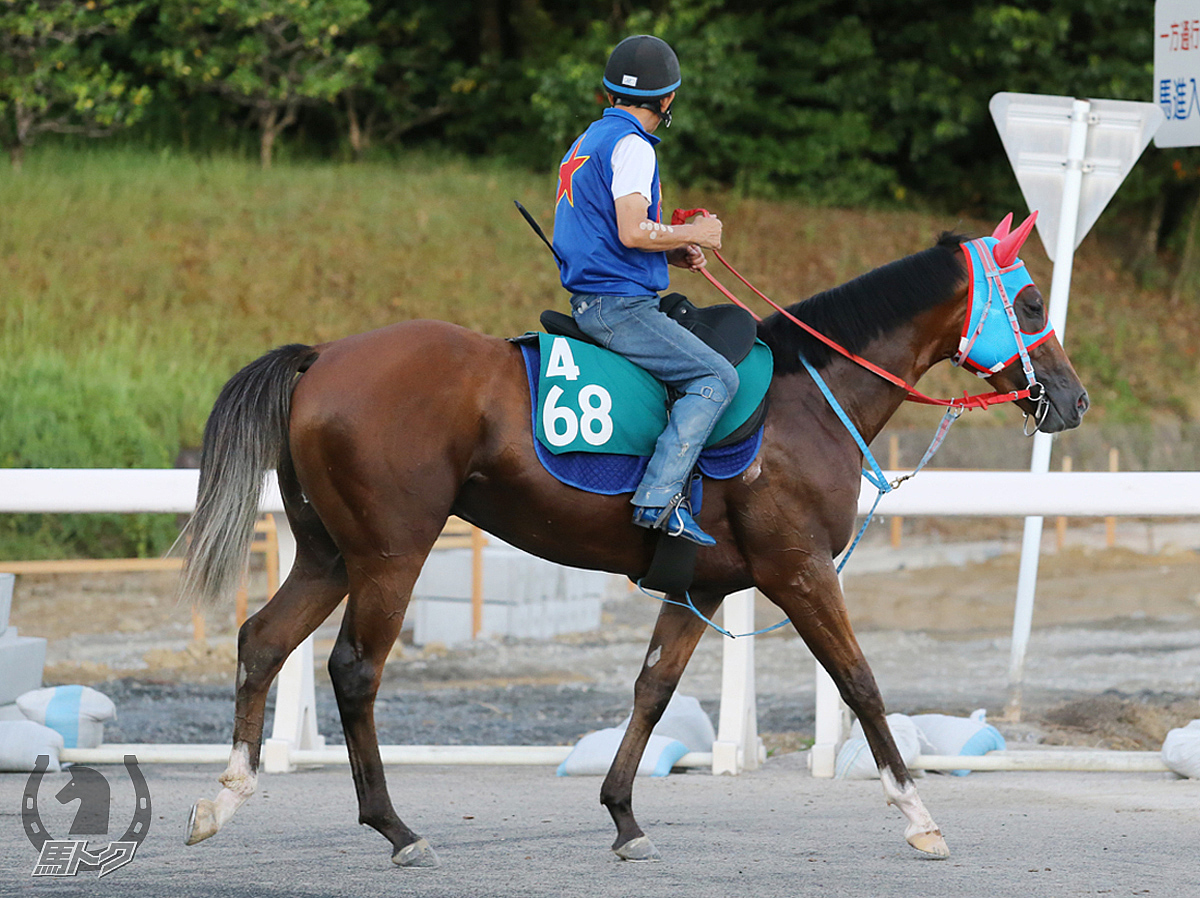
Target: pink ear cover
1006, 250
1003, 228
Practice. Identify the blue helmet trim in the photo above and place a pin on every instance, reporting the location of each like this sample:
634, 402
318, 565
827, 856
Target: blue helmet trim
634, 92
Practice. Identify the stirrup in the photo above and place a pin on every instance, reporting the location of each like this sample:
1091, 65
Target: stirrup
675, 519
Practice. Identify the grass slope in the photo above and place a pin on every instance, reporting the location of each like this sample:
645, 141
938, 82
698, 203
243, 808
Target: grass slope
133, 285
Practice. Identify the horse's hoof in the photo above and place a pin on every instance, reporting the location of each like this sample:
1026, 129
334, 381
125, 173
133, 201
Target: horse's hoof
202, 823
930, 843
639, 849
415, 854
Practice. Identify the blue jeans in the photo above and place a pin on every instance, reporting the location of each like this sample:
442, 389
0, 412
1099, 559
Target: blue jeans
632, 326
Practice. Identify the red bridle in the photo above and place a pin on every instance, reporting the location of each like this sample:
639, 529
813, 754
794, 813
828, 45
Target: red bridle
982, 400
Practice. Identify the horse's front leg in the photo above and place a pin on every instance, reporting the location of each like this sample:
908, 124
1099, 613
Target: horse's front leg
675, 636
814, 603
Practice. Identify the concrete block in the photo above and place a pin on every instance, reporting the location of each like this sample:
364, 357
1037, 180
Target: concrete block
523, 596
6, 595
22, 659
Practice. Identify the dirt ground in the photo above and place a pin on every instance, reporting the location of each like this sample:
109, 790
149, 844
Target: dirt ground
1098, 603
1079, 585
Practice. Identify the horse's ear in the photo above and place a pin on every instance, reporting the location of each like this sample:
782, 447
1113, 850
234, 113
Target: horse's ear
1003, 228
1005, 252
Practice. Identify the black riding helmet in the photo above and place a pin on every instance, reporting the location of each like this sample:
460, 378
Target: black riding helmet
641, 71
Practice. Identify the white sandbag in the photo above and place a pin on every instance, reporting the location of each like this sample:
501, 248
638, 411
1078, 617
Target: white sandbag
594, 753
21, 741
685, 720
683, 727
77, 712
854, 759
959, 736
1181, 750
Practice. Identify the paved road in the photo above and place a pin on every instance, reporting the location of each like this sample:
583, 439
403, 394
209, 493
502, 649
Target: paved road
523, 832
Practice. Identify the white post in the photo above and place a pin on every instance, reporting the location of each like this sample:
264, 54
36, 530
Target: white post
738, 747
1060, 290
827, 735
295, 694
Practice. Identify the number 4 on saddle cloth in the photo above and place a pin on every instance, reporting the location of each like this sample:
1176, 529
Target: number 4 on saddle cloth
597, 416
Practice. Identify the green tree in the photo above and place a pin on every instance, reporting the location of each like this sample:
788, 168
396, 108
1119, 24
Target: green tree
771, 98
53, 77
416, 77
461, 74
269, 56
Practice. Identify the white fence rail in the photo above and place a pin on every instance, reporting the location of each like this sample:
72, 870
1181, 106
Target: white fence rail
295, 738
1019, 493
88, 490
978, 493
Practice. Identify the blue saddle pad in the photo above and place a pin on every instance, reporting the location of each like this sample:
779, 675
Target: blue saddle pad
611, 474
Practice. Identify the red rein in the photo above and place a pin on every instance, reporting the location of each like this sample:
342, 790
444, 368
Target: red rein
982, 400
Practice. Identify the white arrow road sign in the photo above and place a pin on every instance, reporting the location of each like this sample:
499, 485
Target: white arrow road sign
1036, 132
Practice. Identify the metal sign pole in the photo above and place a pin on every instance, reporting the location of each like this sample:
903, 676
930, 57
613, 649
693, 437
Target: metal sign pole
1060, 289
1052, 144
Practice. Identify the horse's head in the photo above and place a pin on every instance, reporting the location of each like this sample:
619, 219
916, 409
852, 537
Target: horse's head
1004, 303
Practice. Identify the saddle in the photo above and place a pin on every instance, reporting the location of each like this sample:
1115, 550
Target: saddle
732, 332
728, 329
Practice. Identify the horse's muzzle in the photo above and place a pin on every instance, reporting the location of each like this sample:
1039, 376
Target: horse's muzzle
1082, 404
1065, 412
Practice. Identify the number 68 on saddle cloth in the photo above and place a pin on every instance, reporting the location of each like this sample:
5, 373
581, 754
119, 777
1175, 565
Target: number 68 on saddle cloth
592, 400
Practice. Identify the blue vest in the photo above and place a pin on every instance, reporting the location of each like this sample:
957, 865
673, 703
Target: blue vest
585, 217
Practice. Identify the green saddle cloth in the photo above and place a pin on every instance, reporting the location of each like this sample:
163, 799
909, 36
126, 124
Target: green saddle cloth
593, 400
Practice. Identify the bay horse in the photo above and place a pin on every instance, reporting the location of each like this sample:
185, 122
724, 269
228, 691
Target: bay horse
378, 438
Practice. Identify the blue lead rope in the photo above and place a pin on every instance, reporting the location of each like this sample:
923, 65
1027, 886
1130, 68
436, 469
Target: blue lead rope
874, 476
696, 611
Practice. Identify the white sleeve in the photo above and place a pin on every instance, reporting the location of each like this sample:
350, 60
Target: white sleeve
633, 167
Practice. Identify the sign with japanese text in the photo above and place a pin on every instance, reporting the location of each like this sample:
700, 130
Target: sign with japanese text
1177, 71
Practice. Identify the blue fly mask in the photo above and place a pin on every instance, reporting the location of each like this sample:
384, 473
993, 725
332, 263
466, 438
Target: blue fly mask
992, 338
989, 338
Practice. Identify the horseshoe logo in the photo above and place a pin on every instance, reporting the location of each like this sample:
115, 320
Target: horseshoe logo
29, 809
31, 818
141, 813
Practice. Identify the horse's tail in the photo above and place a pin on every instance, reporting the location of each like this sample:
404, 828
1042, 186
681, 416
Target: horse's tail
246, 435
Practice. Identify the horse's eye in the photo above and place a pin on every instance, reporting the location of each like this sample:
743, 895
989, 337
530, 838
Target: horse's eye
1031, 310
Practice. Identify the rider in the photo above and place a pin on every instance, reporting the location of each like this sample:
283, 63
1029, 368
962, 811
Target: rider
614, 251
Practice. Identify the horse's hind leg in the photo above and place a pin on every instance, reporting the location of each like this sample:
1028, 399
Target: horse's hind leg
676, 634
374, 615
815, 605
315, 586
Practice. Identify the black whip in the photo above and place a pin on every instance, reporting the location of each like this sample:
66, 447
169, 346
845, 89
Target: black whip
537, 229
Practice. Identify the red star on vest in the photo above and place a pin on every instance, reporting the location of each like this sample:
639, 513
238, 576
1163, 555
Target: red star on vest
566, 172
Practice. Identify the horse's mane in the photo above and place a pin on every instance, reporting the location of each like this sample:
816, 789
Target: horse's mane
867, 307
